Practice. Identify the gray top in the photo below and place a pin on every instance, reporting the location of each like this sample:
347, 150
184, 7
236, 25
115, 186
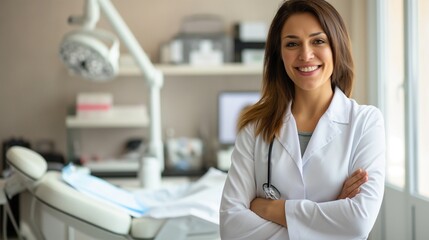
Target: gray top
304, 138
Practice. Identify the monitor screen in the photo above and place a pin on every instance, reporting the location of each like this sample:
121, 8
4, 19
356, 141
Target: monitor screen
230, 106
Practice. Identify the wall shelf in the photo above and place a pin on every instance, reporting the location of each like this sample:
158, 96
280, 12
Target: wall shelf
128, 68
76, 122
119, 117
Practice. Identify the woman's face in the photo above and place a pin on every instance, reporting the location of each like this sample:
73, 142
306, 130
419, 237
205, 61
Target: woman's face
306, 53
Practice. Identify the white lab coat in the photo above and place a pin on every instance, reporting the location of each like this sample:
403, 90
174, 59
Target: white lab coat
347, 137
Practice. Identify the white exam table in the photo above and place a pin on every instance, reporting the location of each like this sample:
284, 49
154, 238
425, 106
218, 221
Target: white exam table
100, 220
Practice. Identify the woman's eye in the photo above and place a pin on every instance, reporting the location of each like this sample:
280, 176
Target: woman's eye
291, 44
319, 41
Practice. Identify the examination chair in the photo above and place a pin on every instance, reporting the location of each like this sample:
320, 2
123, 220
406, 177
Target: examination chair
80, 213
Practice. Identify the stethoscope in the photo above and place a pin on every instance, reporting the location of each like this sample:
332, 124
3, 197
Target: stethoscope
270, 191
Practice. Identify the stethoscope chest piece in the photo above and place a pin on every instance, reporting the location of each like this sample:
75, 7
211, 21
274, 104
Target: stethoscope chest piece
271, 192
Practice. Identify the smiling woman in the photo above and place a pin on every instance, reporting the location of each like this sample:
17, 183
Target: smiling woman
305, 140
308, 61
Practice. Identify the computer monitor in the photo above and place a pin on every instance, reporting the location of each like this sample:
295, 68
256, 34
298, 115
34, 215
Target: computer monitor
230, 105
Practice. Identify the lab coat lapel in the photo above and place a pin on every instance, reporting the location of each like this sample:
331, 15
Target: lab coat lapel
289, 139
327, 128
324, 133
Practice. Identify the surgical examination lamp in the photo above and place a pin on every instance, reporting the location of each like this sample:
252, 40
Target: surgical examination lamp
93, 54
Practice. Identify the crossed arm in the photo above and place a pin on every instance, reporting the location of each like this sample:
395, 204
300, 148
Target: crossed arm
274, 210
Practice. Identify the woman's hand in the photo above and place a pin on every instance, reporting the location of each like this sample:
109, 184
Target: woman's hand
271, 210
352, 184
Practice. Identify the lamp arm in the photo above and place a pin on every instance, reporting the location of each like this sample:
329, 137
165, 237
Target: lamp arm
148, 70
91, 16
154, 78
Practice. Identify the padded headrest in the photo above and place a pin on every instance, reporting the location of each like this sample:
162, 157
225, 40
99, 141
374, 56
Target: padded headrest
27, 162
53, 191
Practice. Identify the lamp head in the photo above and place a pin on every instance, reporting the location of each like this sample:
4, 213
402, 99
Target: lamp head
86, 54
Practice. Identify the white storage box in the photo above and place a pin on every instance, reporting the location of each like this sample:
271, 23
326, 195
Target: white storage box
94, 105
251, 31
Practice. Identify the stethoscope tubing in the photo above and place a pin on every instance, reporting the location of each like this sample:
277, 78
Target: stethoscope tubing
271, 192
269, 163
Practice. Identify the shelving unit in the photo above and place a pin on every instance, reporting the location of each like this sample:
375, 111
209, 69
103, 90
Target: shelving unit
119, 117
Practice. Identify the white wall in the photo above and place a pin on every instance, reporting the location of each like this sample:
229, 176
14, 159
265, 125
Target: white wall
36, 90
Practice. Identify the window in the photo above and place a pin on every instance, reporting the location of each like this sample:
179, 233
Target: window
400, 46
423, 107
394, 93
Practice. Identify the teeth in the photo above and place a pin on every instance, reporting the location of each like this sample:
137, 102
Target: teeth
307, 69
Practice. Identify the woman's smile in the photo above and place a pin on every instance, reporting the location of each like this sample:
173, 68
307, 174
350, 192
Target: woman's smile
308, 70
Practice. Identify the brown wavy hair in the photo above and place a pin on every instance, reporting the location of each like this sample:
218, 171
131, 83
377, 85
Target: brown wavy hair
277, 87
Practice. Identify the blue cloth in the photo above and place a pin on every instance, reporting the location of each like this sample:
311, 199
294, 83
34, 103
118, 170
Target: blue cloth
102, 190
